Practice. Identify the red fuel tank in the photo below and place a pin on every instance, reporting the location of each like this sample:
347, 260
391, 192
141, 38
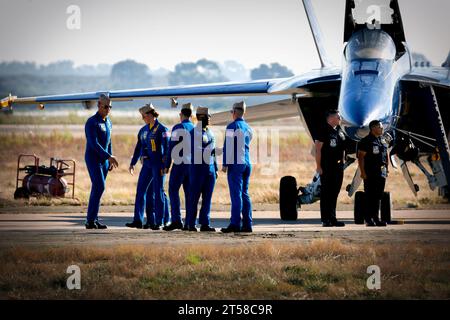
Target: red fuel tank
43, 184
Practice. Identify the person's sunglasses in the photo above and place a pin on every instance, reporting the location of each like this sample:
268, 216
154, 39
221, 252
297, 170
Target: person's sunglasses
107, 107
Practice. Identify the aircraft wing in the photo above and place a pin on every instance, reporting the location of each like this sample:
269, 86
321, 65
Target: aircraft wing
437, 76
257, 87
272, 110
284, 86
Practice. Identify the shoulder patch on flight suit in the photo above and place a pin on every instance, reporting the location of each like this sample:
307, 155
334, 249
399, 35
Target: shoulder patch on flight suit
376, 150
333, 143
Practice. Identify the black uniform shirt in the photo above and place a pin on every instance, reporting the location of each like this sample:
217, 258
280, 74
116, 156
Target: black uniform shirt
376, 155
333, 147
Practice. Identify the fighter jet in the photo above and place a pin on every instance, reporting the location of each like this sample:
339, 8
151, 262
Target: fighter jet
376, 81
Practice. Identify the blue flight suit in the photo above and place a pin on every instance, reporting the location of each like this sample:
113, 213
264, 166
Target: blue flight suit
150, 206
98, 151
179, 174
203, 171
236, 157
152, 147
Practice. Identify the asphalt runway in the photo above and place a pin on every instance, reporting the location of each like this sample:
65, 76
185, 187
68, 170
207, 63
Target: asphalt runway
63, 228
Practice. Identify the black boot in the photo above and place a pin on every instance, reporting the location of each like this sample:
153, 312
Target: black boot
156, 227
173, 226
90, 225
379, 223
230, 229
326, 223
100, 226
207, 228
336, 223
134, 224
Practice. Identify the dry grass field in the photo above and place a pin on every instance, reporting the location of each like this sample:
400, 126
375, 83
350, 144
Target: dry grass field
321, 269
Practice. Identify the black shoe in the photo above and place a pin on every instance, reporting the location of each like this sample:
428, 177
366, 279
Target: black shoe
370, 223
207, 228
147, 226
156, 227
90, 225
379, 223
230, 228
246, 229
336, 223
192, 229
326, 224
173, 226
185, 228
134, 224
100, 226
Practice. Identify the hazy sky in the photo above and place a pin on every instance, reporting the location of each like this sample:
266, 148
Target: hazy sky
162, 33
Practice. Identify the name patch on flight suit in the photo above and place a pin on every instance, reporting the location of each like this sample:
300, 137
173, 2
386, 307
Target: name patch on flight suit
376, 150
144, 136
102, 127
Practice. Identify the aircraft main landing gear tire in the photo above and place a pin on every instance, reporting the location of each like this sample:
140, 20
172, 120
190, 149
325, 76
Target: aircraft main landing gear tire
288, 198
360, 199
386, 207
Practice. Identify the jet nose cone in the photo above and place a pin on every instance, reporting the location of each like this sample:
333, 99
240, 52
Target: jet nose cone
355, 115
356, 132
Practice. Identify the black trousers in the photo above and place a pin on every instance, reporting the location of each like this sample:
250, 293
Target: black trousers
331, 182
373, 188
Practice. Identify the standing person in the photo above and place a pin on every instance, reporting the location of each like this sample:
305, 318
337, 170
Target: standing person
180, 170
373, 163
99, 157
236, 163
203, 172
330, 149
151, 147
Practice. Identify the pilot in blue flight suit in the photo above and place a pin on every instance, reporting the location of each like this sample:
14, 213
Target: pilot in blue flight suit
152, 148
202, 171
99, 158
236, 162
179, 141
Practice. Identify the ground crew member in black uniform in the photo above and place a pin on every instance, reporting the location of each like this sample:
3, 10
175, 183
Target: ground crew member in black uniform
373, 163
330, 148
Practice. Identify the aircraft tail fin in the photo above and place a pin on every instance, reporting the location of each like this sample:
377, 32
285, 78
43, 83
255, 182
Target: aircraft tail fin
317, 34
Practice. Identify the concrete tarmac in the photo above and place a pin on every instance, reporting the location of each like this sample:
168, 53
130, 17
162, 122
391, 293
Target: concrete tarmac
62, 228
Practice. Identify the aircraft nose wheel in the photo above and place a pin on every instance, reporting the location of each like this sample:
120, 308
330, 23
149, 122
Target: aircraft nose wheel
288, 198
